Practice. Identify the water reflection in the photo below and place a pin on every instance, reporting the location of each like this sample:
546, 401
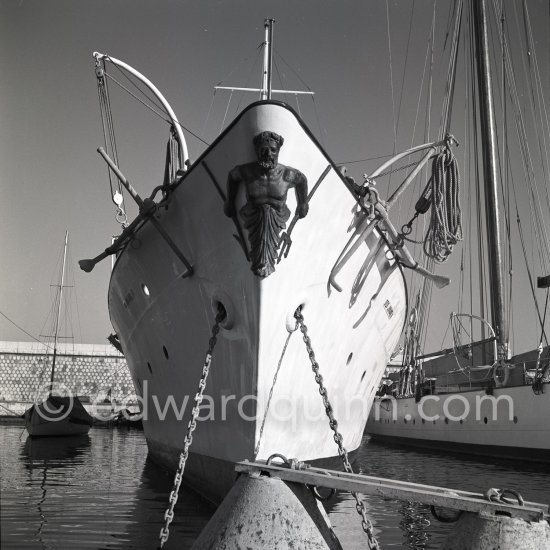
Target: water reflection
191, 513
54, 452
41, 456
100, 492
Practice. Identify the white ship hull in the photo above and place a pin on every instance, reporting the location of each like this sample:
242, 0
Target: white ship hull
517, 427
164, 319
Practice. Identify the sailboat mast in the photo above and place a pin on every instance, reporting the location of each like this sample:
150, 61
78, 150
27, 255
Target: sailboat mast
268, 59
490, 176
59, 309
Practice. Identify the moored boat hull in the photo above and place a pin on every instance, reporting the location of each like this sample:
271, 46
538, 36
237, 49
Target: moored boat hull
510, 423
261, 397
57, 416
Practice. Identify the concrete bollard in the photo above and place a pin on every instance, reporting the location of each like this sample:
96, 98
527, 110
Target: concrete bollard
265, 512
489, 532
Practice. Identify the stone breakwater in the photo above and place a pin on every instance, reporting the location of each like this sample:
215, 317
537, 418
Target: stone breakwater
84, 369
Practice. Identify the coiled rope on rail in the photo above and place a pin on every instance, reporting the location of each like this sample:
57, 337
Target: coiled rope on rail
445, 228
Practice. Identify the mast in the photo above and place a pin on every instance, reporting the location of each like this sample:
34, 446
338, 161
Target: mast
58, 310
268, 59
490, 176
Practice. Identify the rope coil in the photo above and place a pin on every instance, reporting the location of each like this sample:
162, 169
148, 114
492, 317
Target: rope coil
445, 228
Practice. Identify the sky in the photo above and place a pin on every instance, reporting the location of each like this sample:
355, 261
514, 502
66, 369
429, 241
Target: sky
363, 67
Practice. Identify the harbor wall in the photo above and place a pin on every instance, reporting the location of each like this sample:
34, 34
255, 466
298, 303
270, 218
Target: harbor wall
88, 370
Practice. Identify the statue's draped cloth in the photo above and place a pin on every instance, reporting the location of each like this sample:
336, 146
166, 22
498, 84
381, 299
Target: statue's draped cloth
264, 224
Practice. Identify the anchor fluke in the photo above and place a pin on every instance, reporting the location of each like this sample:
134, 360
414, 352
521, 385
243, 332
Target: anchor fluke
88, 265
440, 281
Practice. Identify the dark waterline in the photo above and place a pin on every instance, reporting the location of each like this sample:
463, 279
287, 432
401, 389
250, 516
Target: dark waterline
101, 492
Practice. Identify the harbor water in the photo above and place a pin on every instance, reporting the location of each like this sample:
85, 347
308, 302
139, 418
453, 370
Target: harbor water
100, 491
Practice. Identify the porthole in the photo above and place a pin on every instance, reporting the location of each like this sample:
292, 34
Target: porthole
515, 419
461, 421
485, 420
423, 421
446, 420
405, 420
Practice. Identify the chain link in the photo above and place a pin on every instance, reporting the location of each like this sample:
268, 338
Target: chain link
173, 498
359, 505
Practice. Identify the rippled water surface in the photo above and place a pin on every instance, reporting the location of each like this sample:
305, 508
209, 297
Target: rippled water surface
99, 491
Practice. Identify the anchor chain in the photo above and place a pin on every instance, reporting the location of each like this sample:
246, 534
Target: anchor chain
173, 498
359, 505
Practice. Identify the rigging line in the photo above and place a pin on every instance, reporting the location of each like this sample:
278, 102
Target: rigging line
405, 64
258, 49
529, 275
168, 121
208, 114
460, 301
450, 19
451, 74
257, 449
297, 97
321, 134
391, 76
293, 71
152, 99
364, 160
523, 138
506, 172
420, 91
520, 231
25, 332
543, 149
101, 108
545, 310
109, 119
427, 126
74, 293
251, 70
281, 81
108, 130
427, 286
226, 110
391, 85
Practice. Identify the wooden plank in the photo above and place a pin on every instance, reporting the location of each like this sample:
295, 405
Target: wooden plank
398, 490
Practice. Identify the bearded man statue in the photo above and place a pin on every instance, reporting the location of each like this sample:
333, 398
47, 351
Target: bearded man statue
265, 213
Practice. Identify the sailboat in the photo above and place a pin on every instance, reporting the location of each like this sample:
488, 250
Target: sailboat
57, 415
260, 262
475, 397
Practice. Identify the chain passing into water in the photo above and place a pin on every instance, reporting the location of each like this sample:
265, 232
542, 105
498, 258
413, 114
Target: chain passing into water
173, 498
359, 505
